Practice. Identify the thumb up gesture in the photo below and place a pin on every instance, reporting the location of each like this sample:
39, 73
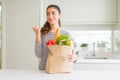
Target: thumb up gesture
36, 29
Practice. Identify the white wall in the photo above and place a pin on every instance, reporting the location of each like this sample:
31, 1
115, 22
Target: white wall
19, 18
117, 29
118, 26
82, 12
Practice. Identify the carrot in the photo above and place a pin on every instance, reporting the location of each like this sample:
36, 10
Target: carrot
57, 34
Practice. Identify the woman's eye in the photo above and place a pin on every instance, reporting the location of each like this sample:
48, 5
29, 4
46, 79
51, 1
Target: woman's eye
47, 14
53, 13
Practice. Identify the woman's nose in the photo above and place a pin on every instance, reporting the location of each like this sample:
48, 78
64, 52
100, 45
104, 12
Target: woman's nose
50, 15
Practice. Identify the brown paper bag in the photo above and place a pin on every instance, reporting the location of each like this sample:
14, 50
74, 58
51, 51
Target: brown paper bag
57, 61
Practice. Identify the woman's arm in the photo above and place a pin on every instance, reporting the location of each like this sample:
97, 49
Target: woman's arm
38, 33
38, 42
73, 56
38, 50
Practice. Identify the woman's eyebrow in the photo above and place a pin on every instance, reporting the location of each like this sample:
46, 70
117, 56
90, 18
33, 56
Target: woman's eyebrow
51, 11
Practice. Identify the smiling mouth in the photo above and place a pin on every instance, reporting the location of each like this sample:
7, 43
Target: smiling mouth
51, 20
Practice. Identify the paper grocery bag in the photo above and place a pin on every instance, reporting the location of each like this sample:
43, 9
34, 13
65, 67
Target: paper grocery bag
57, 61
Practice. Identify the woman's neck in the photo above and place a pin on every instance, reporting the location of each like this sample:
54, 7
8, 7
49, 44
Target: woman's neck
54, 28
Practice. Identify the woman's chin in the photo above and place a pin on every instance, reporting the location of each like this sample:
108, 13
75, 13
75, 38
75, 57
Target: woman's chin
52, 23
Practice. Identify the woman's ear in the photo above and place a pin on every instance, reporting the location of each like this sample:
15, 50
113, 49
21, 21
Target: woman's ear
59, 15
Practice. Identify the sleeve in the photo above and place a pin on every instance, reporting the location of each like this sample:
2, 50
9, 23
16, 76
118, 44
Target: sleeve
68, 34
65, 33
39, 49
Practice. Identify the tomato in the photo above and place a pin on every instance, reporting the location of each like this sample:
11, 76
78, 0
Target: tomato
50, 42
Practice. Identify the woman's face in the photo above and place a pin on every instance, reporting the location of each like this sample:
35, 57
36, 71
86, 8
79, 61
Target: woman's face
52, 15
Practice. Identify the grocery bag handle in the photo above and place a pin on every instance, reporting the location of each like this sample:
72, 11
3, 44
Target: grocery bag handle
63, 41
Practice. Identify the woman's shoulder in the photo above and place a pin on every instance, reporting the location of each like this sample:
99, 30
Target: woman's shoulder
63, 32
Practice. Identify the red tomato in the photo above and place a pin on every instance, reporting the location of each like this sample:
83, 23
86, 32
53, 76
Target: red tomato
50, 42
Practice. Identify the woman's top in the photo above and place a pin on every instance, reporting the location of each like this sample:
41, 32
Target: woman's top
41, 49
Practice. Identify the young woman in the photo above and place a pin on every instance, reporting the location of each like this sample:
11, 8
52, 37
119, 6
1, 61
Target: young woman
47, 32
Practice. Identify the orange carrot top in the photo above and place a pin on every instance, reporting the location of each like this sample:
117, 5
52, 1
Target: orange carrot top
57, 34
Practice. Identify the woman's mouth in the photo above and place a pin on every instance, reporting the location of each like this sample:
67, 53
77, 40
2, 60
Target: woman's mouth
51, 20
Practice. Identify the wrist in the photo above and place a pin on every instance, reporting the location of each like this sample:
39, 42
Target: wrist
37, 38
37, 34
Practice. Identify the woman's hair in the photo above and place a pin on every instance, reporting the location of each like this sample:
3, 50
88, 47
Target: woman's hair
46, 27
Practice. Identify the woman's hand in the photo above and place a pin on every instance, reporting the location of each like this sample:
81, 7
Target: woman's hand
37, 30
72, 57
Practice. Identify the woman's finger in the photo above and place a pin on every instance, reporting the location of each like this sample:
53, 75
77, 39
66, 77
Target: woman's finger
36, 29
